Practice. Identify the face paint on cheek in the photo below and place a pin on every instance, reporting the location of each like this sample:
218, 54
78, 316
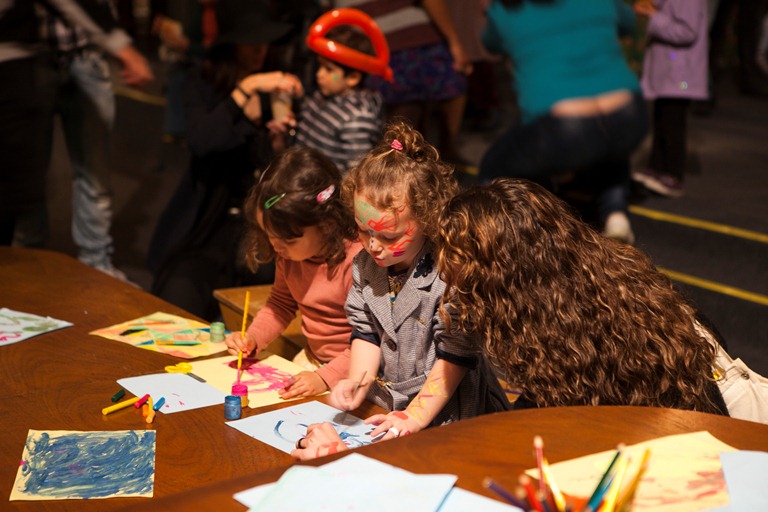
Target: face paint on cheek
400, 249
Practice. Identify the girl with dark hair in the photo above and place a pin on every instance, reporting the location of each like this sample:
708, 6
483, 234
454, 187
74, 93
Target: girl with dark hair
295, 216
569, 317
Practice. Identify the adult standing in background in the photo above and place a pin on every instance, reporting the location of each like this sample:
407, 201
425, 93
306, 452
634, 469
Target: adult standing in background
28, 92
85, 102
195, 246
581, 107
429, 63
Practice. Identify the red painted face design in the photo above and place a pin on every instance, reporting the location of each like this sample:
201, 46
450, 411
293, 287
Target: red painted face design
393, 239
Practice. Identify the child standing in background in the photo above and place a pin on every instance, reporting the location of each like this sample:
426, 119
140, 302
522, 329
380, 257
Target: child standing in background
402, 358
295, 216
675, 71
342, 118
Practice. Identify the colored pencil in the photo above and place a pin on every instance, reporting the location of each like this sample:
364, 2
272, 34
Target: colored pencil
557, 495
538, 450
629, 493
602, 485
533, 499
502, 493
611, 496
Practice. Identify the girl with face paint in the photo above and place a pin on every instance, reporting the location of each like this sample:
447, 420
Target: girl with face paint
402, 357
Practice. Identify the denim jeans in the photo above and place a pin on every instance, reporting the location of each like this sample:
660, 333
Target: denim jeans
86, 104
596, 148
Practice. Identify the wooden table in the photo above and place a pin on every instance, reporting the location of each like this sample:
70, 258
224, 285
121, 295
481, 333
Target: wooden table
499, 446
61, 380
231, 301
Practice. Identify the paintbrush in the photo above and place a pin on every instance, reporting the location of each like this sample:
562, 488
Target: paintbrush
354, 392
242, 334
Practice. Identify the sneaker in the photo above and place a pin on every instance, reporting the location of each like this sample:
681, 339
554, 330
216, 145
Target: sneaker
617, 227
111, 270
663, 184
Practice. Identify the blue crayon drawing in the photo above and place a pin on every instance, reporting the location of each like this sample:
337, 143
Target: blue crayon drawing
86, 465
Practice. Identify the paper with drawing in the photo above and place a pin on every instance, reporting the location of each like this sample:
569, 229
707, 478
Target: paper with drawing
61, 464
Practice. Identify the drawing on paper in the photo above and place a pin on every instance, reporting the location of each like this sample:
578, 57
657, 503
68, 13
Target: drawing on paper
16, 326
163, 332
283, 427
62, 464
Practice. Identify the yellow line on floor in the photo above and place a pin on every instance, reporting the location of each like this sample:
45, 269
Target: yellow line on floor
701, 224
135, 94
716, 287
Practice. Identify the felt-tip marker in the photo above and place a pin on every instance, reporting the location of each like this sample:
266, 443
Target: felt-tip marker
141, 401
120, 405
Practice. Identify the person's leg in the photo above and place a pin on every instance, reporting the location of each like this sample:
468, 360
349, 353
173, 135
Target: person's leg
27, 96
668, 151
451, 116
87, 119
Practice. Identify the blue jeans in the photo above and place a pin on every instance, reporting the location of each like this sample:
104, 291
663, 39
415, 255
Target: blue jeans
86, 104
596, 148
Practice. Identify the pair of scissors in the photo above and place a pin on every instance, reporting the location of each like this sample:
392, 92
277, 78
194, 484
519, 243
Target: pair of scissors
184, 368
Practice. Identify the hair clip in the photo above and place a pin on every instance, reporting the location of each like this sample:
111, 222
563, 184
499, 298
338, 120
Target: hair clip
269, 203
263, 173
396, 144
326, 194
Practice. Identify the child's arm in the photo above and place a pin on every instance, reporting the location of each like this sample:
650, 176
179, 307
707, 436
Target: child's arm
441, 383
679, 24
365, 358
270, 321
441, 17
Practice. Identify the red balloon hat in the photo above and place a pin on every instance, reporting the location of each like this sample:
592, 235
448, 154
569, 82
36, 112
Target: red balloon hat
317, 42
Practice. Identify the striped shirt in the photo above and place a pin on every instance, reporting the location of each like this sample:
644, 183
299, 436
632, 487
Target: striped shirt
344, 127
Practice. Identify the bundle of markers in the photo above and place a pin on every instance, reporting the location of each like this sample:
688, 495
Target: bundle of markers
611, 494
148, 408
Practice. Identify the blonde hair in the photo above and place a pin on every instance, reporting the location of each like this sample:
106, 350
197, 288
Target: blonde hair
412, 176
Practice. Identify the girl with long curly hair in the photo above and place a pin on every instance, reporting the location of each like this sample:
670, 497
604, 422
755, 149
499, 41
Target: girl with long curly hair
569, 317
295, 216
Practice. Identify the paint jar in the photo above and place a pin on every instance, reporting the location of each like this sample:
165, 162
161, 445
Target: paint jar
217, 332
232, 407
241, 390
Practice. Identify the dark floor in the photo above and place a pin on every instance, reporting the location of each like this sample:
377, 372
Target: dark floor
727, 184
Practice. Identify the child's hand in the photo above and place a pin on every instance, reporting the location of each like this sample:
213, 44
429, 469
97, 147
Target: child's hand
395, 424
644, 8
304, 384
321, 439
347, 394
235, 343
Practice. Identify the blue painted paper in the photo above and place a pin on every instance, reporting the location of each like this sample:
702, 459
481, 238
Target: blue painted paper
61, 464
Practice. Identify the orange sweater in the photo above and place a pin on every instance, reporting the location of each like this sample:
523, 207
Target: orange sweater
305, 286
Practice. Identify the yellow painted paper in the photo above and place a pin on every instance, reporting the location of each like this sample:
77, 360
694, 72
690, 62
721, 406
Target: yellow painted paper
166, 333
264, 375
684, 473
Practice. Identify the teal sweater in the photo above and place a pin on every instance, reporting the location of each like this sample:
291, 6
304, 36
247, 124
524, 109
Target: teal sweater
565, 49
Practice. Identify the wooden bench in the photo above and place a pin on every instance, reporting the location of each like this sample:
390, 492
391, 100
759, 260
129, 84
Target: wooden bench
231, 301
